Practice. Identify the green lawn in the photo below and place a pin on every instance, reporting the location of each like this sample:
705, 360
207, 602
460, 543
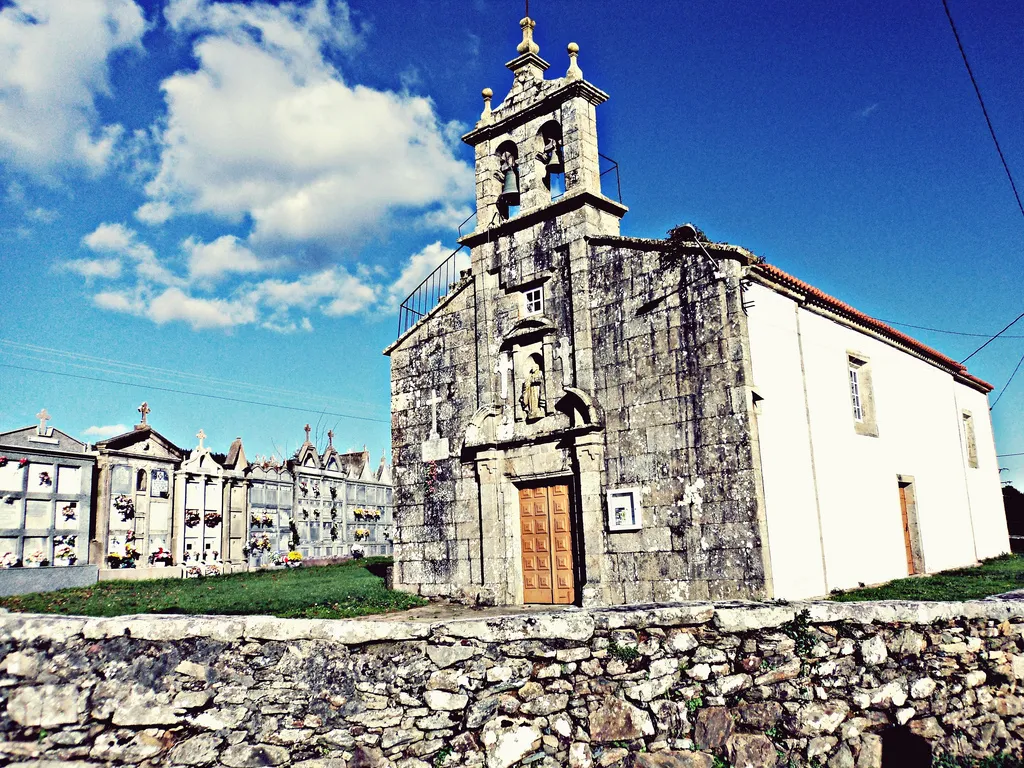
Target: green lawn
320, 592
1000, 574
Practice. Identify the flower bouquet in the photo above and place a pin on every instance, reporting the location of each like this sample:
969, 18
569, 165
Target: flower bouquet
45, 479
259, 543
9, 560
36, 559
212, 569
65, 555
294, 559
334, 533
125, 507
3, 463
22, 462
212, 519
70, 512
161, 558
304, 488
192, 518
194, 572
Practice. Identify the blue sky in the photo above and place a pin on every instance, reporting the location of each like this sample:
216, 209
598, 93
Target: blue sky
238, 194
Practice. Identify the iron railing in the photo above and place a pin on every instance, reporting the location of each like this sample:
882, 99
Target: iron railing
446, 276
430, 292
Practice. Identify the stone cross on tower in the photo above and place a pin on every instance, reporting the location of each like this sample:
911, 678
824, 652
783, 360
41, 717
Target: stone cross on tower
202, 436
143, 409
43, 417
433, 402
330, 437
307, 432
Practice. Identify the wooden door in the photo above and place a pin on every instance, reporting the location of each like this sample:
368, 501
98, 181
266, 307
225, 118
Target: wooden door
904, 511
546, 527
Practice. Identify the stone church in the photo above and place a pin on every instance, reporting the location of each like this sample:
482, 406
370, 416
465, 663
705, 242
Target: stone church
586, 418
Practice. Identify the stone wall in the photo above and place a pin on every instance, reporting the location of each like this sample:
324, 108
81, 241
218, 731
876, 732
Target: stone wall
672, 373
24, 581
690, 685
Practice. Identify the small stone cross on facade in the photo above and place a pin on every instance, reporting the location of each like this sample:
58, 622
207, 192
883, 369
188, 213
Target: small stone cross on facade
564, 351
330, 437
143, 409
503, 367
433, 402
43, 417
307, 432
202, 436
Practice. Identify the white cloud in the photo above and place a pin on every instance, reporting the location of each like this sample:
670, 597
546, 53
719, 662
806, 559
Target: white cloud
109, 269
334, 290
43, 215
266, 128
419, 266
122, 240
110, 430
868, 110
200, 313
155, 212
225, 255
55, 58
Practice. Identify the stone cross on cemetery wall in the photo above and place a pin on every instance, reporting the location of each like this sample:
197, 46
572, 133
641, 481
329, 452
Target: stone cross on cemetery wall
202, 436
43, 417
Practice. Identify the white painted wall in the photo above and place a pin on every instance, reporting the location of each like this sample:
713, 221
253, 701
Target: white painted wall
830, 490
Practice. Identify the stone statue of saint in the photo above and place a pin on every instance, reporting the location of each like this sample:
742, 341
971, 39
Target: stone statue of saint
532, 398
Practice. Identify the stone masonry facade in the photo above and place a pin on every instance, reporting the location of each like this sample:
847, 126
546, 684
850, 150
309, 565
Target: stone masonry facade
636, 355
672, 686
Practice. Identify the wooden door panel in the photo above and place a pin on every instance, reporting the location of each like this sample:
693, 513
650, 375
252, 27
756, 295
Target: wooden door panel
546, 527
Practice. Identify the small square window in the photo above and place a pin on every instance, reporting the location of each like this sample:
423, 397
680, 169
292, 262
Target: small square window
624, 510
535, 301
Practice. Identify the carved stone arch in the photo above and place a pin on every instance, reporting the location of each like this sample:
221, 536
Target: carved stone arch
526, 329
580, 408
482, 427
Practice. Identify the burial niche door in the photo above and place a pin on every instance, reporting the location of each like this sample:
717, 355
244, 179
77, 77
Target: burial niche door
546, 528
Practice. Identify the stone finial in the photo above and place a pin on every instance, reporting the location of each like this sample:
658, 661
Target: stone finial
527, 46
487, 93
574, 73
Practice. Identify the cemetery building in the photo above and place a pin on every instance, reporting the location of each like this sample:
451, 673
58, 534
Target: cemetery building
271, 487
582, 417
46, 480
210, 511
341, 506
135, 497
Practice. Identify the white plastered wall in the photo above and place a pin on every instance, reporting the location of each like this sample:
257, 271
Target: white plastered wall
831, 494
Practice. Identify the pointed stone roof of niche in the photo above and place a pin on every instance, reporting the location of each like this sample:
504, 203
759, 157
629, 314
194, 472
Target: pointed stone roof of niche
236, 456
307, 455
330, 453
367, 475
384, 470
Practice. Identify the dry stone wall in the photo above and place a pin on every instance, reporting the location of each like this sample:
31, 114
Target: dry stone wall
688, 685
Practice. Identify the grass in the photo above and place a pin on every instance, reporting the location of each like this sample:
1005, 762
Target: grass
315, 592
999, 574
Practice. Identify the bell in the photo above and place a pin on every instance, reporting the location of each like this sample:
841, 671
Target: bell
510, 189
554, 162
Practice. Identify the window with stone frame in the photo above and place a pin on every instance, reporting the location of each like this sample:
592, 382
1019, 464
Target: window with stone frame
862, 397
534, 298
970, 440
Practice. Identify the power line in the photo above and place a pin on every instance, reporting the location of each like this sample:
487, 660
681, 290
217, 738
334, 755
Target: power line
1018, 317
1008, 455
996, 402
122, 368
195, 394
942, 330
984, 111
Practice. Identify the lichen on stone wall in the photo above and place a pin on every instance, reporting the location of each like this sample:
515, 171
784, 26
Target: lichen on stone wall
664, 685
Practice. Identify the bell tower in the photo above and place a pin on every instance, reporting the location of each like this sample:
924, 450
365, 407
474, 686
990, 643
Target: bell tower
538, 147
